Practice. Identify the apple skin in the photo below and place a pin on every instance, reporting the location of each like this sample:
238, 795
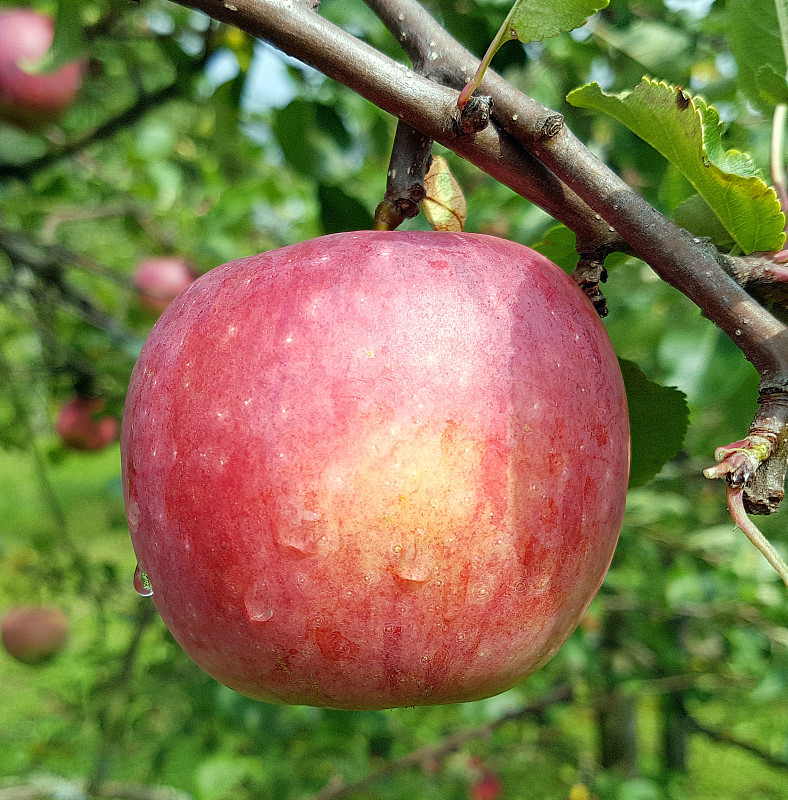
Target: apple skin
34, 634
376, 469
32, 101
159, 280
80, 424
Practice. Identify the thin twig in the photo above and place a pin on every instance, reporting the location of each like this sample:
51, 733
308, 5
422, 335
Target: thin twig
721, 737
433, 752
410, 160
744, 523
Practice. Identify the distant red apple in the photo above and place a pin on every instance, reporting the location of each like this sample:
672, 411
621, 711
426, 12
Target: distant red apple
34, 634
32, 100
161, 279
376, 469
81, 425
487, 786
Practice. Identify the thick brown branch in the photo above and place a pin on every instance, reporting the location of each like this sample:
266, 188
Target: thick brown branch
441, 58
420, 102
690, 264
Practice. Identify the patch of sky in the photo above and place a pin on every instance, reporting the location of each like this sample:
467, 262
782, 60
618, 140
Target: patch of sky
697, 9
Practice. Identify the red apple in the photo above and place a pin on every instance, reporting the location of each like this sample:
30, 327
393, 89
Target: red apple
32, 100
81, 425
34, 634
376, 469
160, 280
486, 786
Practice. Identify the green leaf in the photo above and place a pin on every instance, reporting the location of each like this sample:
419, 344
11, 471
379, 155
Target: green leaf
293, 127
68, 43
444, 203
658, 420
757, 33
559, 244
688, 133
340, 212
772, 87
695, 215
533, 21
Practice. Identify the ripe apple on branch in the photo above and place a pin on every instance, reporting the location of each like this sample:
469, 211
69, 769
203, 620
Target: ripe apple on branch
354, 474
160, 279
81, 424
388, 468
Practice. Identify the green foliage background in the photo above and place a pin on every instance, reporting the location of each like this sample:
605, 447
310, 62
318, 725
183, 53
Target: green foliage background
190, 138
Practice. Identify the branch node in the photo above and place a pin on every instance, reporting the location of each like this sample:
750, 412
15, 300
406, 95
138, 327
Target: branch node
588, 274
474, 116
758, 463
551, 127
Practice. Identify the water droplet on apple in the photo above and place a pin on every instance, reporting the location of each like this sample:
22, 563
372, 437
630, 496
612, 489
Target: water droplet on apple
258, 603
133, 516
142, 584
409, 565
297, 542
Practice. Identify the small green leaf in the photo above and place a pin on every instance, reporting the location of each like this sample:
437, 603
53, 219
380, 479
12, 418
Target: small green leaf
658, 421
533, 21
444, 203
340, 212
758, 37
773, 87
688, 133
68, 43
559, 244
293, 128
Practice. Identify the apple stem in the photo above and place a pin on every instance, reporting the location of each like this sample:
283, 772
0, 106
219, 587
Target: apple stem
411, 156
751, 531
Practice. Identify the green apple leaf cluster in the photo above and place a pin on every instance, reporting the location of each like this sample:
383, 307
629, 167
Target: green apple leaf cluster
687, 132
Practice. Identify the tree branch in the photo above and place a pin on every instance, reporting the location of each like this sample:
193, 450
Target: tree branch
721, 737
410, 160
419, 101
434, 752
104, 131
